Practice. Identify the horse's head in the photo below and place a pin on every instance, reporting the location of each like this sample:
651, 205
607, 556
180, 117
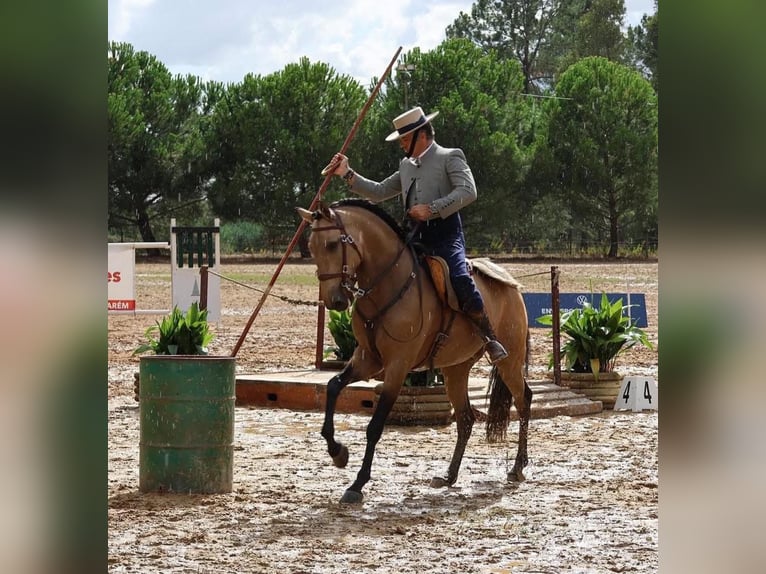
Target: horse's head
335, 255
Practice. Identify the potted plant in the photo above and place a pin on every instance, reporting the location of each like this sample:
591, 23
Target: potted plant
422, 400
345, 342
186, 404
179, 333
595, 338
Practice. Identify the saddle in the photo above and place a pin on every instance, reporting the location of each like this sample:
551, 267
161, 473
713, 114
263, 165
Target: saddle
437, 267
439, 271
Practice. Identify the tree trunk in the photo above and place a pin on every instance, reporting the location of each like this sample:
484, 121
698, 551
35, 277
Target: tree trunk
144, 226
145, 229
613, 227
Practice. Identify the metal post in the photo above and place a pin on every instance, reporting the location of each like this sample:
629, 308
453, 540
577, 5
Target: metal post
407, 70
203, 287
556, 325
319, 359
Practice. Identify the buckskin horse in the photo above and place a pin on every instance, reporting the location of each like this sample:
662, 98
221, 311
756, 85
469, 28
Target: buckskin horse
401, 324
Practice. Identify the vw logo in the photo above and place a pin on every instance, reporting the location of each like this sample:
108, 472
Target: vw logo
581, 299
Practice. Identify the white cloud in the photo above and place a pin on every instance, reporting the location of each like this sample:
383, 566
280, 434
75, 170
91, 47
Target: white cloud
635, 10
121, 14
227, 39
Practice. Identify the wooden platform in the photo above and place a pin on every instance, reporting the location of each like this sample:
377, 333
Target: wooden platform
306, 390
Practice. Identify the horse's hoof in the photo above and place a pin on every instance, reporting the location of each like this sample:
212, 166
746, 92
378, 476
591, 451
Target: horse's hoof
516, 476
351, 497
341, 459
439, 482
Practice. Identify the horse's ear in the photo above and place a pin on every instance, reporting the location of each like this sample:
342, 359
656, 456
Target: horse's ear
326, 211
305, 214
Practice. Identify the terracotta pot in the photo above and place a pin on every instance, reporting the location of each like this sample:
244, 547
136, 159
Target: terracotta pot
605, 388
419, 406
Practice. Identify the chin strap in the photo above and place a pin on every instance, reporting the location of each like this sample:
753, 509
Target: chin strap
414, 141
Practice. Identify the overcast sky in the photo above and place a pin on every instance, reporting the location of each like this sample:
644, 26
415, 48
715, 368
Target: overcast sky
223, 40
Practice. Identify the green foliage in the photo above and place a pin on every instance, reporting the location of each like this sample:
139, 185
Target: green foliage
427, 378
602, 139
596, 336
342, 333
598, 30
179, 334
643, 47
275, 133
156, 140
241, 237
514, 29
252, 151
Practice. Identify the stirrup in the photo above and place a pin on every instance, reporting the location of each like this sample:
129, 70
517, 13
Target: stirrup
495, 351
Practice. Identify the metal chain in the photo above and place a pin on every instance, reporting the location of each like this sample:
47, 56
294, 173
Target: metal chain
316, 303
282, 297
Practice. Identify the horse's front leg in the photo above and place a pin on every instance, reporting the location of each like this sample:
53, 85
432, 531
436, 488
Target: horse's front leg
338, 451
391, 387
355, 370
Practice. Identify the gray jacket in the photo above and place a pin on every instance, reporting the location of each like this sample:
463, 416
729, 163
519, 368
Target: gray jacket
443, 179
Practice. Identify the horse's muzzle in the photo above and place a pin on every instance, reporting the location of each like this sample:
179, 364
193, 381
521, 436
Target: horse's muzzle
338, 302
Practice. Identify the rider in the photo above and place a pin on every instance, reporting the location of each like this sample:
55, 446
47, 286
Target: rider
434, 183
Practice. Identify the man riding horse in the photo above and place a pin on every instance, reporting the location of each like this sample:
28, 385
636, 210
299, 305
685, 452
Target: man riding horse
435, 183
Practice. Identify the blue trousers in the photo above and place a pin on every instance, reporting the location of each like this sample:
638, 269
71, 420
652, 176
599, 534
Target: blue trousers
444, 238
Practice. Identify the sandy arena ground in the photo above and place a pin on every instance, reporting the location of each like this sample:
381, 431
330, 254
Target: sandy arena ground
589, 504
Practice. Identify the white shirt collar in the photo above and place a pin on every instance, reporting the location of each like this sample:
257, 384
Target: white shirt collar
416, 160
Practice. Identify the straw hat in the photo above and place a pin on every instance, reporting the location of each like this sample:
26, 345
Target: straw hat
409, 121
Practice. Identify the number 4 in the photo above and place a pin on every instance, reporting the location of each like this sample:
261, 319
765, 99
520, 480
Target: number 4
647, 392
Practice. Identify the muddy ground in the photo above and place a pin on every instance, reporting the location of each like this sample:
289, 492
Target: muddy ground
589, 504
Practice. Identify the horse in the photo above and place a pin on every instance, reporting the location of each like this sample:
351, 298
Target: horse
402, 324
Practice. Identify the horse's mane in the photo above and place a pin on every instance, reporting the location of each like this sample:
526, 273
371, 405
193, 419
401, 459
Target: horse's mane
375, 210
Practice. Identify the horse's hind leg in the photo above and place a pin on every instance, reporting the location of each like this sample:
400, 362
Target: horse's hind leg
515, 381
456, 381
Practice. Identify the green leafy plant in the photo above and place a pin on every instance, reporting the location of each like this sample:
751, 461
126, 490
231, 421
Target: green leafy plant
596, 336
343, 335
179, 334
428, 378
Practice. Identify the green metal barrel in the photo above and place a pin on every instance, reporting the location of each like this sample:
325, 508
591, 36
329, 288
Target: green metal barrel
186, 408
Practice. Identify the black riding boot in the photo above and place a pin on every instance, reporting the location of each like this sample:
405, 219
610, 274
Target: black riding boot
492, 347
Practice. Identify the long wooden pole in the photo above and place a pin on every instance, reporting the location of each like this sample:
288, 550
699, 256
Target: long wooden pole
313, 205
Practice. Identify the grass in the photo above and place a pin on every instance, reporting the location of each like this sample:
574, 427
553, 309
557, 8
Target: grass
255, 278
309, 278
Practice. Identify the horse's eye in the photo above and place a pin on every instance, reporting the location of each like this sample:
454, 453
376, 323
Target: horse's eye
332, 245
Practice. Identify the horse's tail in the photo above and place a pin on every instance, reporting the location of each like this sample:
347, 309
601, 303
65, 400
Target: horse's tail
501, 400
499, 410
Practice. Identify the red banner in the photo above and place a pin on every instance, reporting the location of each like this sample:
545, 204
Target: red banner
121, 305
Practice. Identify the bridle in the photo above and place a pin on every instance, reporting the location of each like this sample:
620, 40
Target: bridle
348, 280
